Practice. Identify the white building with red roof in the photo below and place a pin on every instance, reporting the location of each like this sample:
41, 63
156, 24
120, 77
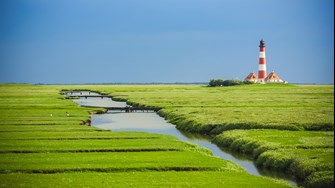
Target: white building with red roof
273, 78
252, 77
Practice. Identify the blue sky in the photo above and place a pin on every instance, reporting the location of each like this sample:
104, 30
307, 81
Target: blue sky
139, 41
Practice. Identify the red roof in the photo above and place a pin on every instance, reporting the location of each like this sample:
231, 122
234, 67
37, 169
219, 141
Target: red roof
272, 76
251, 76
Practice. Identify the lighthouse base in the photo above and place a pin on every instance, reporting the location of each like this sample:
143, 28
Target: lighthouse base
261, 81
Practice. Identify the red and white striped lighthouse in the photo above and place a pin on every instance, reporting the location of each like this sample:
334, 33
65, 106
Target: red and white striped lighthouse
262, 63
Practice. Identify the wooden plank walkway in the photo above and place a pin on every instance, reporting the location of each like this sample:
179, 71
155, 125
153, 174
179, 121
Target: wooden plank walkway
79, 94
135, 109
128, 109
86, 96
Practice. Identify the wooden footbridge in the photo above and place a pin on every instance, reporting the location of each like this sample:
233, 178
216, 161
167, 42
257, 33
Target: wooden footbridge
134, 109
128, 108
75, 94
91, 96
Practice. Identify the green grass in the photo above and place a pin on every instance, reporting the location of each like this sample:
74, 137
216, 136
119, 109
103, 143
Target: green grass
276, 107
38, 149
321, 179
139, 179
256, 141
25, 105
112, 162
46, 128
302, 162
213, 110
302, 153
93, 144
68, 135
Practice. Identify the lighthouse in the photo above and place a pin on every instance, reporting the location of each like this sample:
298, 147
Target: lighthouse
262, 63
262, 78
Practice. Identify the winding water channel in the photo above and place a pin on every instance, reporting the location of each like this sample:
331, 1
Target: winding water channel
151, 122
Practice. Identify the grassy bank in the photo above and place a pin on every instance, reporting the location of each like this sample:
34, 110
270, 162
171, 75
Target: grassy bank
210, 110
304, 154
305, 149
45, 143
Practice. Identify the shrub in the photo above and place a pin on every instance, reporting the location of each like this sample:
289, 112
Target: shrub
215, 82
220, 82
232, 83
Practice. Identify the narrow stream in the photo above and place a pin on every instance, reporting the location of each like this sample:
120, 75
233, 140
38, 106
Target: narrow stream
151, 122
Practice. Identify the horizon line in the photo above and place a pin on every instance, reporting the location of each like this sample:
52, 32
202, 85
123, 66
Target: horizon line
141, 83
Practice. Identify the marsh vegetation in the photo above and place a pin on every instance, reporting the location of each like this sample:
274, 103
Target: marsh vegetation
41, 135
43, 143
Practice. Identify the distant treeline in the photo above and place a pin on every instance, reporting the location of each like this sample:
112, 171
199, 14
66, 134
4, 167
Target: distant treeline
220, 82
